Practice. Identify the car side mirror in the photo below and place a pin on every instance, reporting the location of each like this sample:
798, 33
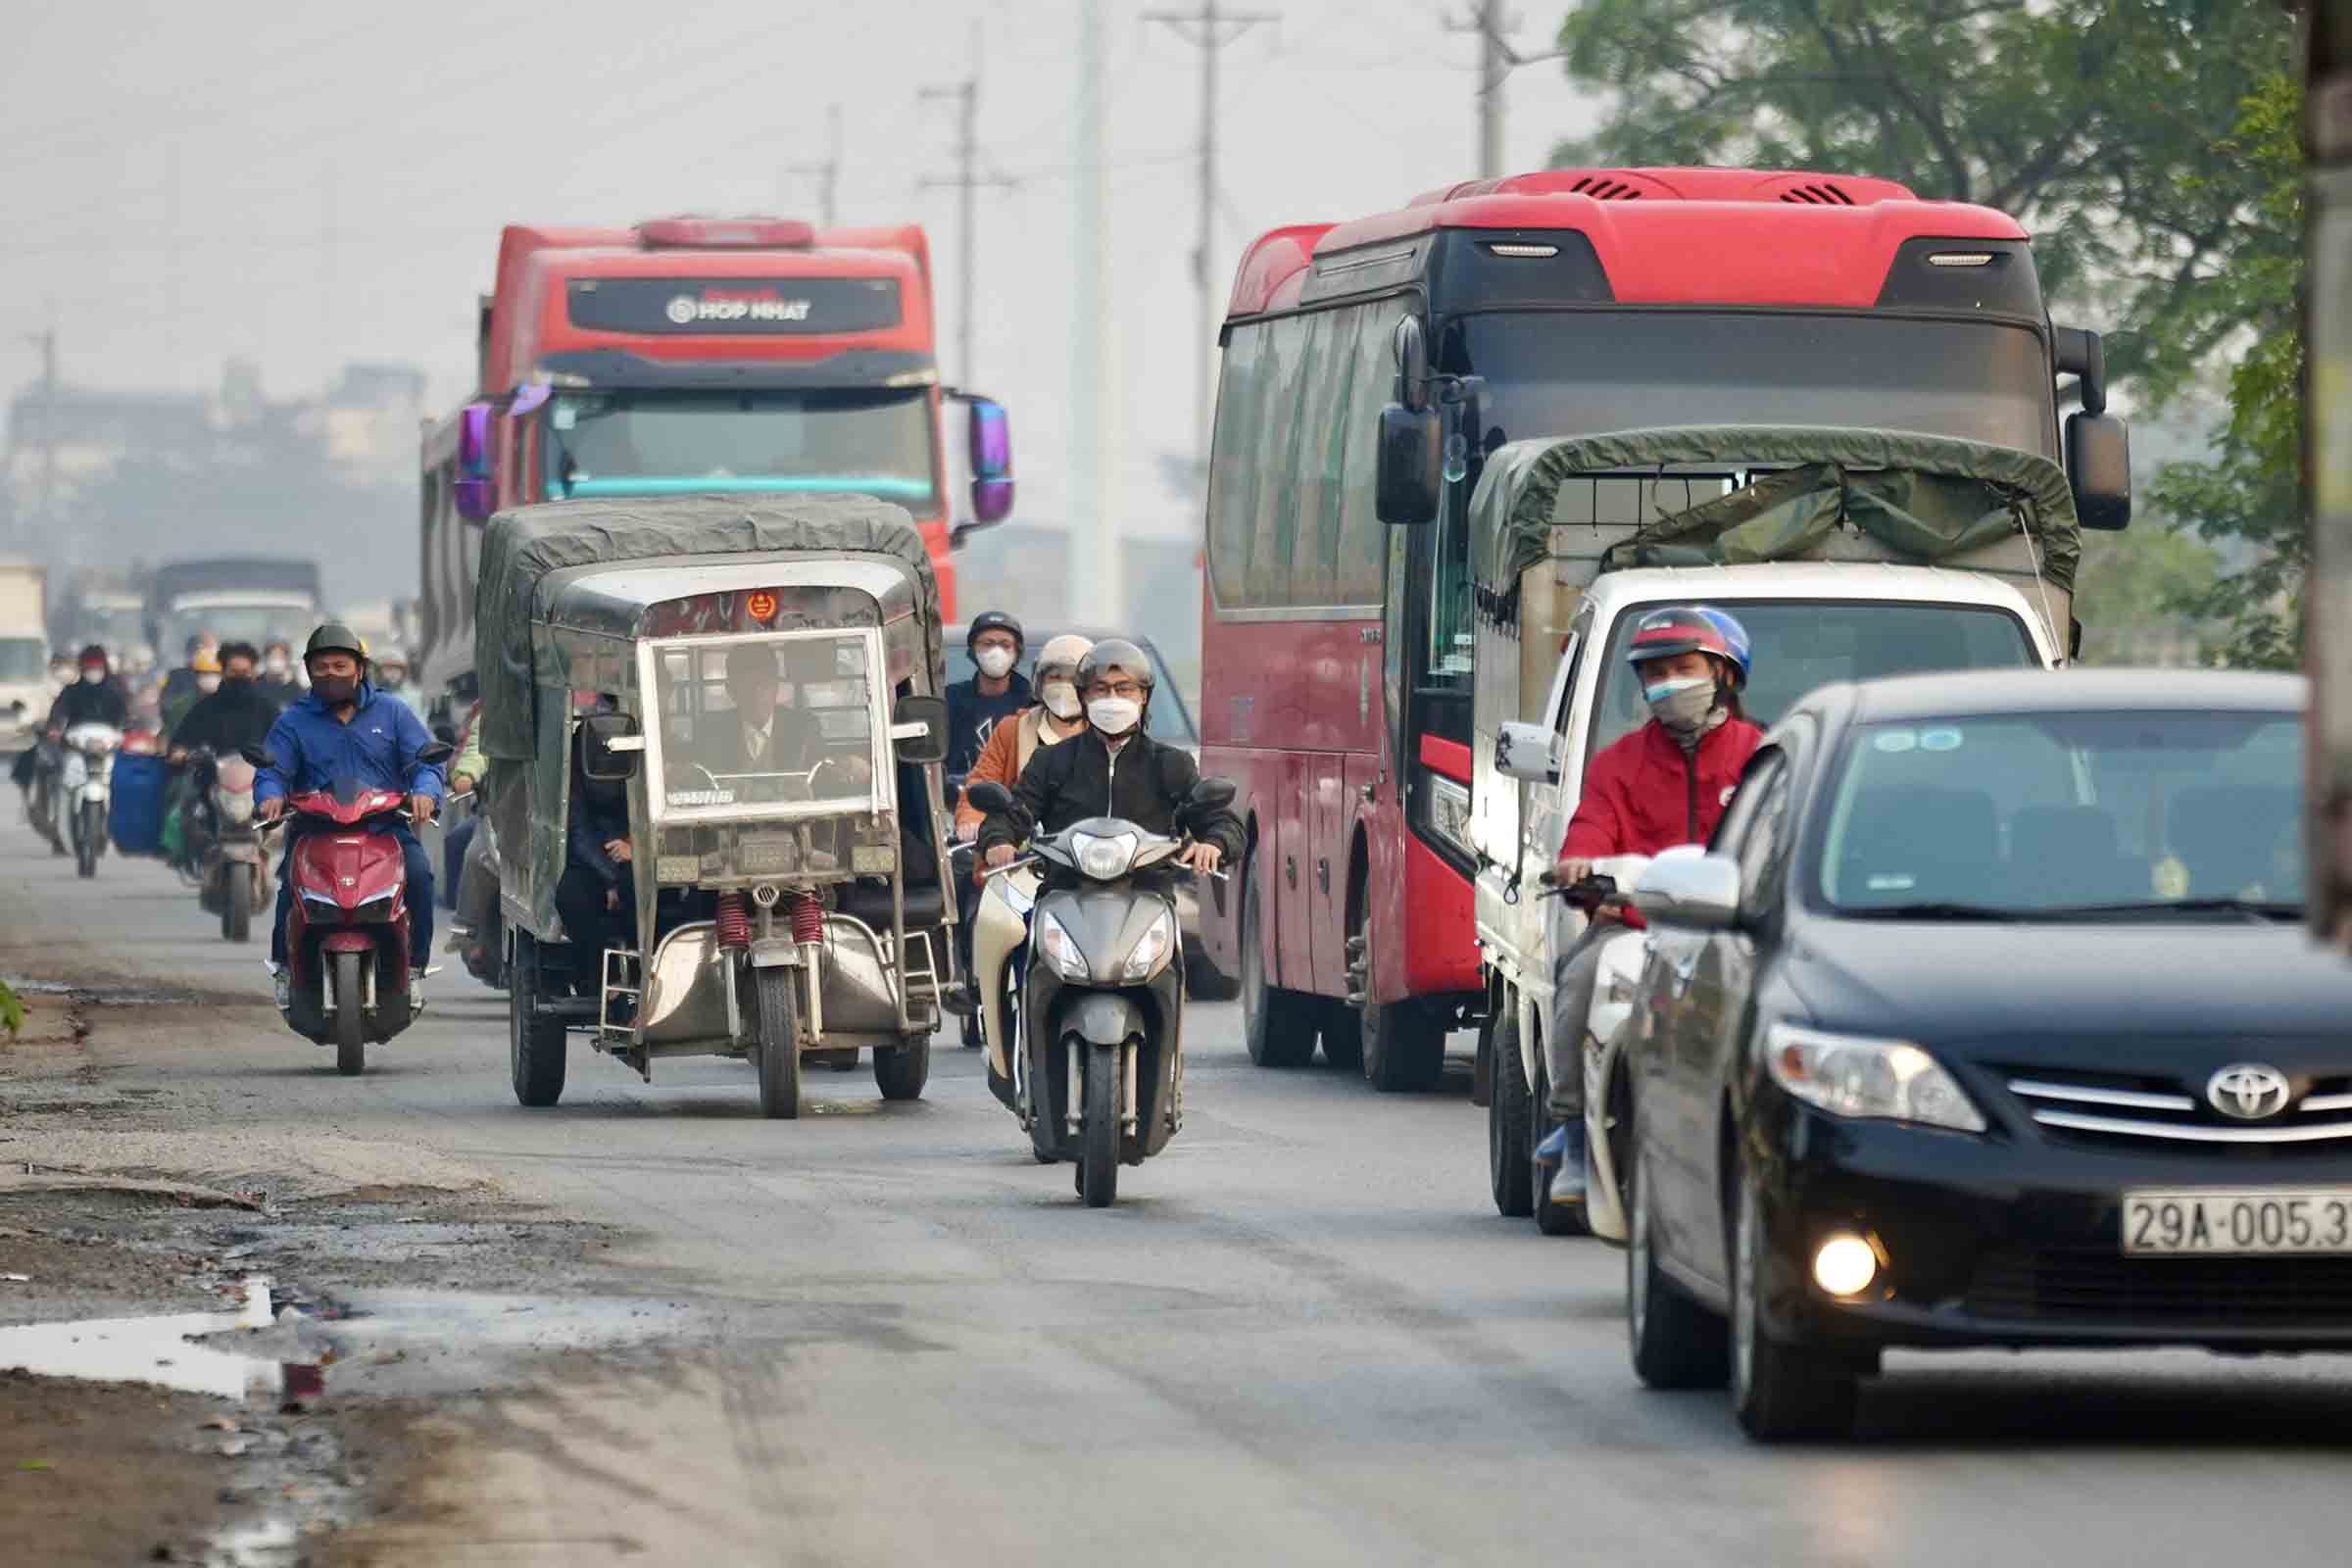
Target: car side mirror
1528, 752
1698, 890
988, 796
2098, 468
918, 728
611, 747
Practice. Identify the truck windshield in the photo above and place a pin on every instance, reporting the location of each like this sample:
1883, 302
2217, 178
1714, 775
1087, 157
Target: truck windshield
653, 443
258, 625
1799, 645
766, 723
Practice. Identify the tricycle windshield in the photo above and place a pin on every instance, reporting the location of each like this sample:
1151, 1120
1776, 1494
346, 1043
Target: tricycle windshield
766, 725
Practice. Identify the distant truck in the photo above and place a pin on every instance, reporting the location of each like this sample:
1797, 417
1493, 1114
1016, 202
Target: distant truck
694, 355
25, 690
251, 599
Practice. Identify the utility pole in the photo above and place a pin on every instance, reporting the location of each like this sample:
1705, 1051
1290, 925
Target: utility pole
828, 173
1092, 586
1208, 29
1496, 59
967, 181
47, 340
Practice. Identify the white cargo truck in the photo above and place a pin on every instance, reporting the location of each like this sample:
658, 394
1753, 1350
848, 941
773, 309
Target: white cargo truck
1845, 553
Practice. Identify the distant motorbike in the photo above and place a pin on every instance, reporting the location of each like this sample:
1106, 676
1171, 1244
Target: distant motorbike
1098, 1078
347, 934
231, 868
85, 784
46, 794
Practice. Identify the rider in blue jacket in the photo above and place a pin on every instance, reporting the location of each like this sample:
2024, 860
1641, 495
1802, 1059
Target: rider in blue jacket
345, 728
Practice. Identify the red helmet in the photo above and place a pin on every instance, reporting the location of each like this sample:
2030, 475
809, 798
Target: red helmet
1692, 629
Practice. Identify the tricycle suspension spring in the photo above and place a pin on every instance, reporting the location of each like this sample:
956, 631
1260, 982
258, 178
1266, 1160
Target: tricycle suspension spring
734, 920
807, 918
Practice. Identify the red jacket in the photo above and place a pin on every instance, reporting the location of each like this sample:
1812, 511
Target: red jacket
1641, 795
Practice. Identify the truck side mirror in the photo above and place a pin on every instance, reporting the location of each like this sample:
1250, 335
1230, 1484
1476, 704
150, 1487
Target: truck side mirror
918, 726
1528, 752
611, 747
1411, 462
991, 435
474, 487
2098, 468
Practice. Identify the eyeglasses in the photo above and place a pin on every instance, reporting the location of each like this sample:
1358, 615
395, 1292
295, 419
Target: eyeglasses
1131, 689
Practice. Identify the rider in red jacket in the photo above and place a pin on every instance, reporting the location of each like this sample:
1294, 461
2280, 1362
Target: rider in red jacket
1665, 784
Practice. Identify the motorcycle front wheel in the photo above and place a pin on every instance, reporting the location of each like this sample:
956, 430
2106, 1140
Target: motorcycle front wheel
236, 907
351, 1045
1098, 1160
86, 842
779, 1043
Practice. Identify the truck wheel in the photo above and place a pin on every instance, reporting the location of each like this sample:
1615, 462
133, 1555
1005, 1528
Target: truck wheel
779, 1043
350, 1020
1098, 1160
1510, 1162
236, 906
1778, 1392
1278, 1026
902, 1073
1676, 1343
535, 1043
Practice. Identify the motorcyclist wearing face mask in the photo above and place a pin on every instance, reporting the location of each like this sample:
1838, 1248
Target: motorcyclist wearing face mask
278, 683
1058, 714
96, 698
346, 728
204, 679
1665, 784
996, 691
1113, 769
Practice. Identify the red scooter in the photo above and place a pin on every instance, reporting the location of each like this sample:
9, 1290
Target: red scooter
347, 933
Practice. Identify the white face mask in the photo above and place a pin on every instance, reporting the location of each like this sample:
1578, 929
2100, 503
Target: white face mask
1061, 701
207, 683
92, 675
993, 662
1114, 716
277, 665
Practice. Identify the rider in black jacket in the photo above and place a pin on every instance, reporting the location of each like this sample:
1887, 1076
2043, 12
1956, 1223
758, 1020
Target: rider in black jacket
1113, 769
97, 698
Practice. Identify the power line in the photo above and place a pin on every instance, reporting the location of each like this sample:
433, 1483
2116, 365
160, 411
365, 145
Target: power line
1496, 59
966, 183
1208, 30
827, 173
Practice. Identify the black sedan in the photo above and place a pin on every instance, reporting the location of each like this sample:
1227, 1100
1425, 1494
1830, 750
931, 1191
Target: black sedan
1989, 1018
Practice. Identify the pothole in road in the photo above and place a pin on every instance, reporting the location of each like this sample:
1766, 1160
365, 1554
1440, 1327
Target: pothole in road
162, 1351
103, 995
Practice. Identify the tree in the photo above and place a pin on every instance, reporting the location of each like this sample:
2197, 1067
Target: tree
2136, 593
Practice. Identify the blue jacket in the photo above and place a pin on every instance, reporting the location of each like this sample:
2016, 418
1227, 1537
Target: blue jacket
378, 748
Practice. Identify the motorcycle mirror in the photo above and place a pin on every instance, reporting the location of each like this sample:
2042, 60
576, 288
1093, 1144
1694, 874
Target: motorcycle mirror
258, 755
989, 796
438, 752
1210, 793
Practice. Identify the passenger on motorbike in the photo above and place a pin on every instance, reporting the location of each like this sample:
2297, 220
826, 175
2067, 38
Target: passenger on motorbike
996, 691
185, 684
223, 722
1113, 769
1665, 784
347, 729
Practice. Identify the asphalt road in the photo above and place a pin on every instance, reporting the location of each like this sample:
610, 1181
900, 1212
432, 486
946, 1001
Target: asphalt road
1303, 1336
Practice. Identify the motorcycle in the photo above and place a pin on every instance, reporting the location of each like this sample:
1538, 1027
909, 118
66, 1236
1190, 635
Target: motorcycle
231, 871
1622, 957
347, 932
84, 788
46, 793
1096, 1037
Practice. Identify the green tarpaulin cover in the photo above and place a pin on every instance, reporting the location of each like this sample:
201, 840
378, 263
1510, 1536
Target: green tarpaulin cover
1924, 498
522, 548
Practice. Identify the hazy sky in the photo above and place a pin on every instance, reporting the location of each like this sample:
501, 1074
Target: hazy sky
306, 185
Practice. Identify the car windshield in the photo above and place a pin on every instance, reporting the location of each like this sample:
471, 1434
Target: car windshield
765, 721
1799, 645
653, 443
1167, 720
2153, 812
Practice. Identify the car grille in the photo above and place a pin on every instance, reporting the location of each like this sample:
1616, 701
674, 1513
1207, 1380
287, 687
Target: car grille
2109, 1108
2081, 1285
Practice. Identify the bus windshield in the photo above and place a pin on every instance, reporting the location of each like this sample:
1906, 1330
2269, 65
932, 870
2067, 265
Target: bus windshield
653, 443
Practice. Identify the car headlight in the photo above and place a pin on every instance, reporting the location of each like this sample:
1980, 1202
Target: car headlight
1888, 1080
1151, 950
1105, 859
234, 806
1060, 951
1450, 810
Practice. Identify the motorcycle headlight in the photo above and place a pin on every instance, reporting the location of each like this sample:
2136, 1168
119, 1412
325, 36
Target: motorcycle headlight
1885, 1080
1060, 951
1152, 952
1103, 859
234, 806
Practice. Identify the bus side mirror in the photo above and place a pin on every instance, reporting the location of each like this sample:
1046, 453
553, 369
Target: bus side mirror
2099, 466
1411, 462
611, 747
918, 726
474, 487
991, 434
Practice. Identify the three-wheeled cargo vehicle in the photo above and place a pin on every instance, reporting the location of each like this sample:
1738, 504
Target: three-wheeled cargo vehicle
719, 717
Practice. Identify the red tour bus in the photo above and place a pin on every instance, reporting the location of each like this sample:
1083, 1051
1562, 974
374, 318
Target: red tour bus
1336, 651
694, 355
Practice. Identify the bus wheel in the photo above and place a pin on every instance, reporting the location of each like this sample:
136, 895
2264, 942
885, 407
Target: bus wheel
1277, 1025
1402, 1047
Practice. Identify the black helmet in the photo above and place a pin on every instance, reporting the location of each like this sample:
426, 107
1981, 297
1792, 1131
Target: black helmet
1120, 653
333, 637
994, 621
